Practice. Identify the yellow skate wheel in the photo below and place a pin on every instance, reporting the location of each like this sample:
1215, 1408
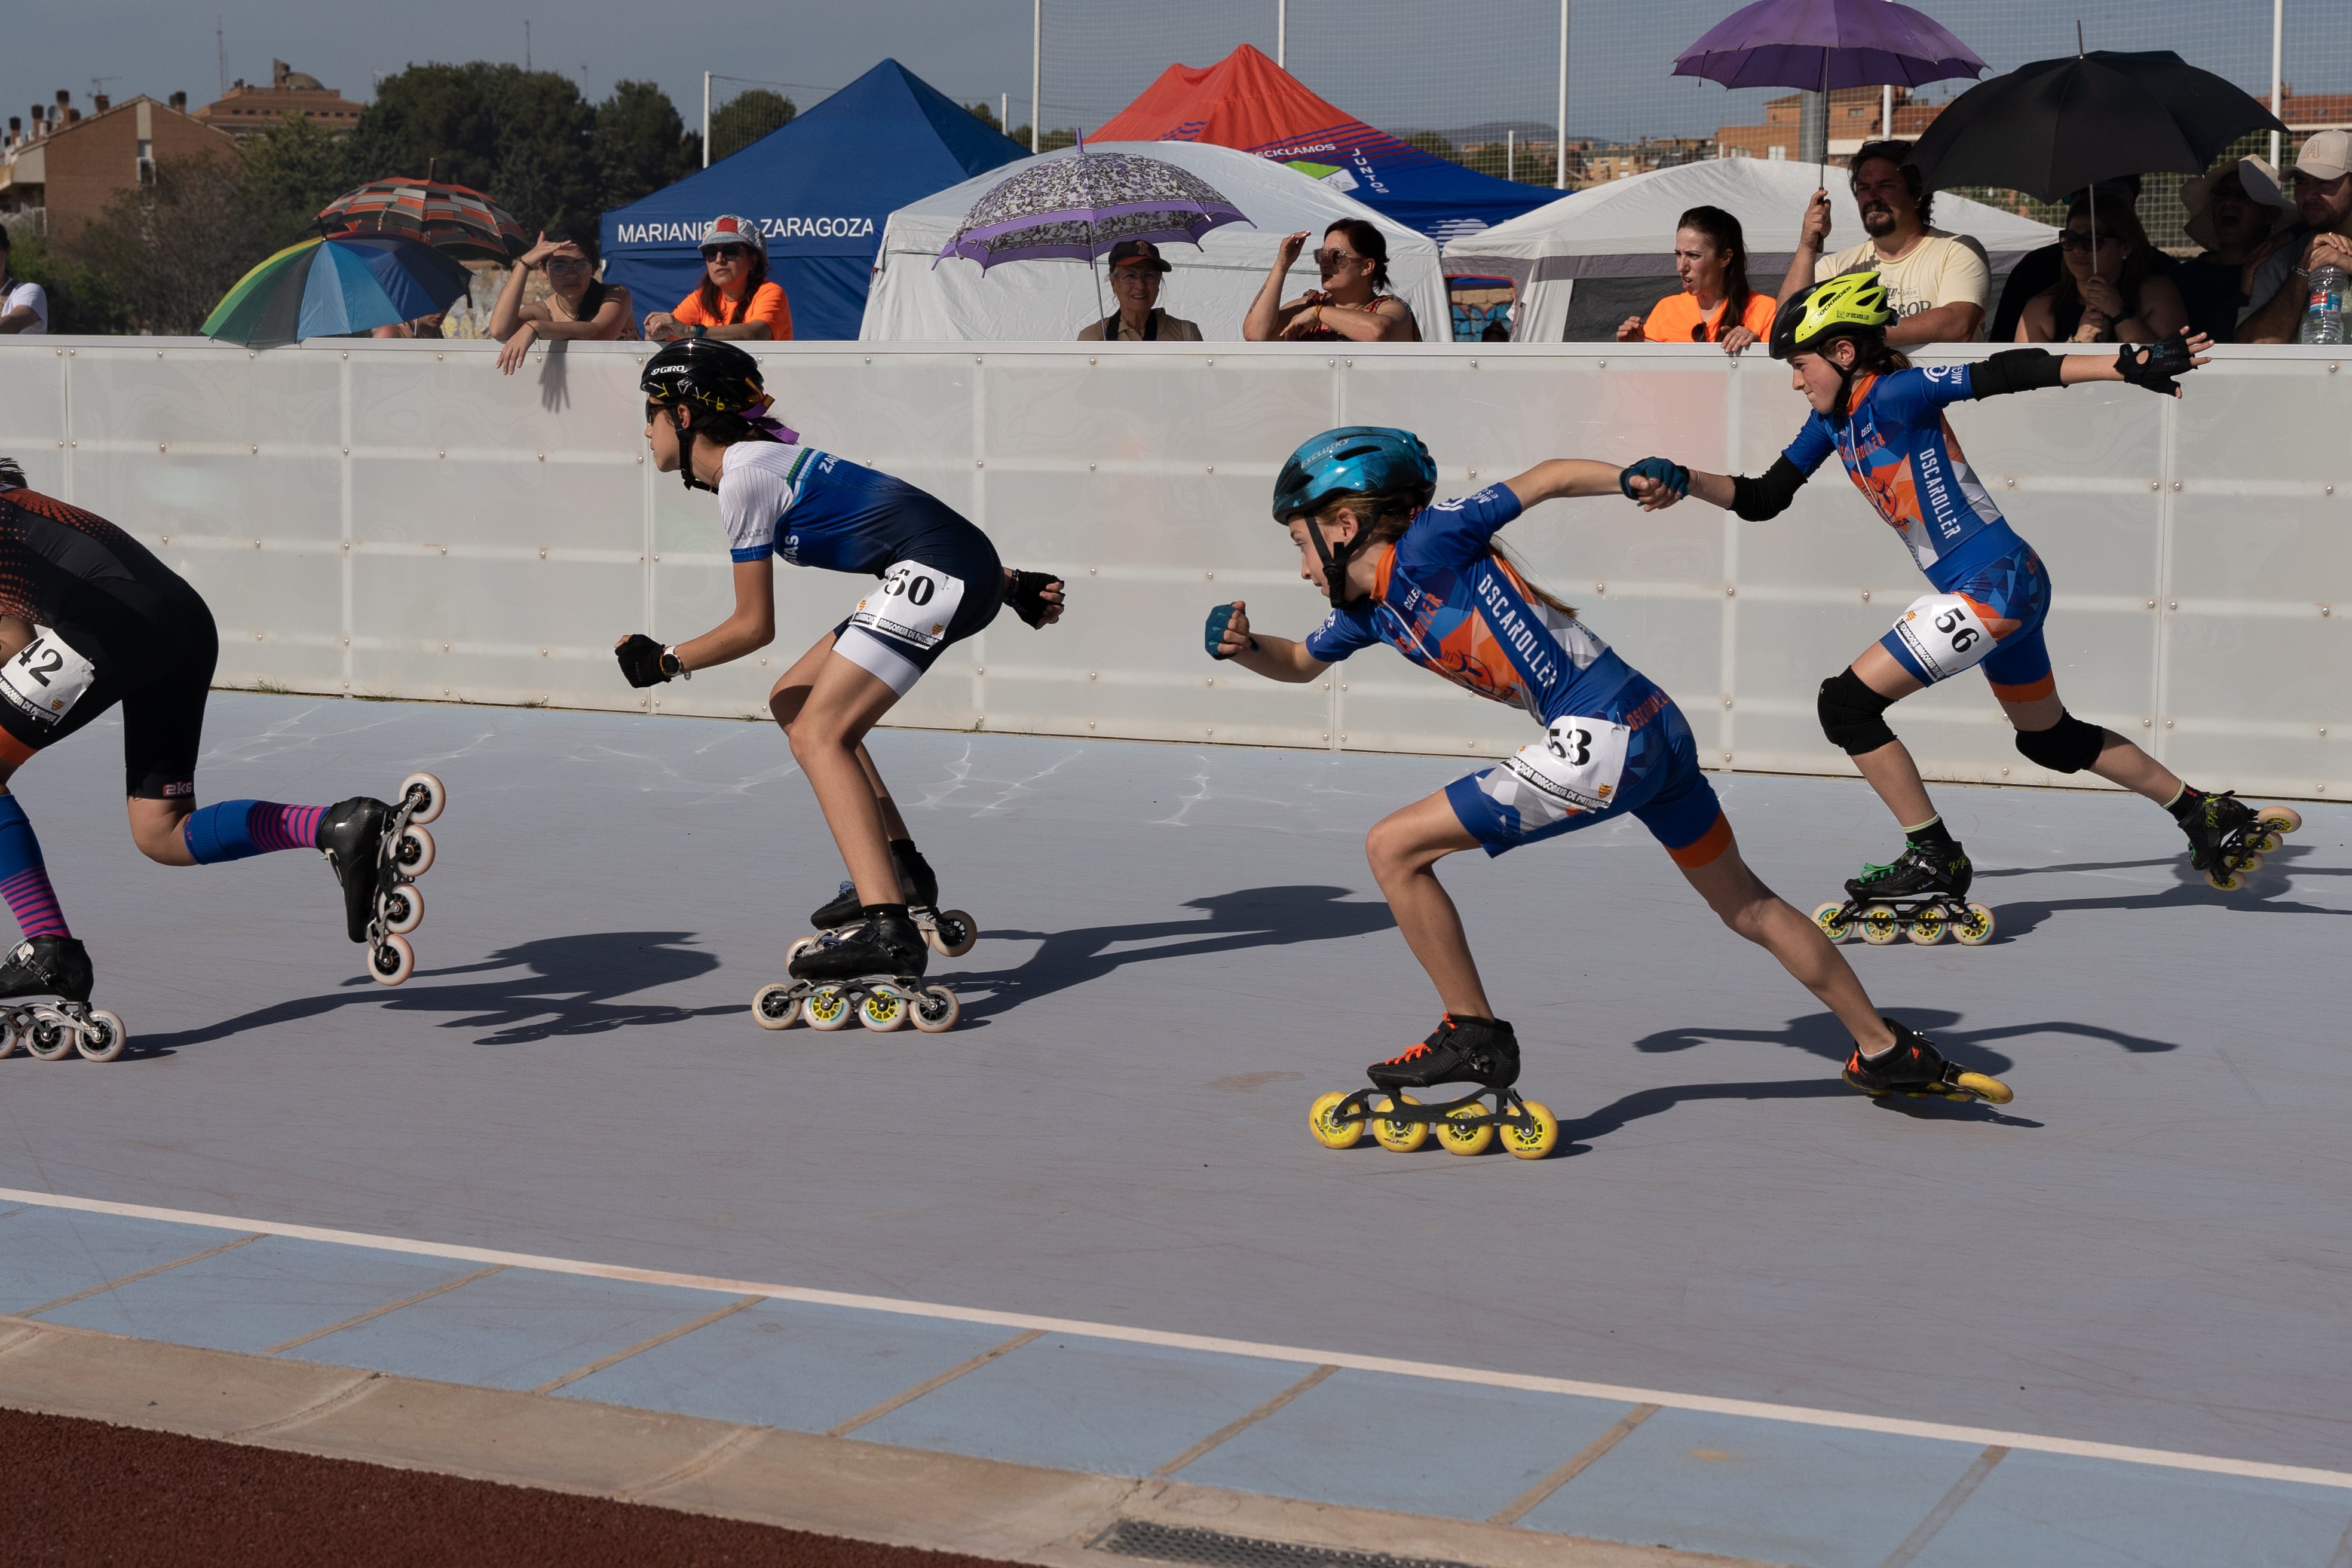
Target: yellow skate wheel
882, 1009
1984, 1086
1927, 925
828, 1009
1539, 1137
1880, 925
776, 1007
2250, 863
1830, 918
1976, 929
2284, 818
2221, 878
1461, 1139
1399, 1136
2268, 844
1328, 1128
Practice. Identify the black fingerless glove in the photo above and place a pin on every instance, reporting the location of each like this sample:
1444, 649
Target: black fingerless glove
645, 662
2153, 365
1666, 471
1027, 595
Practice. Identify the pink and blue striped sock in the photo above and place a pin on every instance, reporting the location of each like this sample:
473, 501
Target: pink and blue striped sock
23, 878
236, 828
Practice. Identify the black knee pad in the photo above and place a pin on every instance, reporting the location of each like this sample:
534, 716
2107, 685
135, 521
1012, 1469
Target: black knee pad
2066, 747
1853, 716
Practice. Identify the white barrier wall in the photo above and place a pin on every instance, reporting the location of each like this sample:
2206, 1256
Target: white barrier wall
398, 520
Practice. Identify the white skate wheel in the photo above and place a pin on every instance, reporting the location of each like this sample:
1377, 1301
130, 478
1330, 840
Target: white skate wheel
413, 853
828, 1009
776, 1007
882, 1009
935, 1010
102, 1039
952, 934
50, 1037
436, 796
799, 947
392, 963
11, 1037
403, 909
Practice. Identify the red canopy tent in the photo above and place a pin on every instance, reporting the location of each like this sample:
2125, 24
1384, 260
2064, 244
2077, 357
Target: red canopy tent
1248, 101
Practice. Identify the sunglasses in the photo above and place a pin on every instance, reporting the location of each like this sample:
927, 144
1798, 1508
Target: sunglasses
2072, 239
1328, 259
727, 253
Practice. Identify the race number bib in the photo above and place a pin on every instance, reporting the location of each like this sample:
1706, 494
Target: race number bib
1945, 634
914, 605
47, 677
1576, 767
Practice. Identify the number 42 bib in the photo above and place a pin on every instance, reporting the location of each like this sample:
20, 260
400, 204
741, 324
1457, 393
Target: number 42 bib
915, 603
47, 677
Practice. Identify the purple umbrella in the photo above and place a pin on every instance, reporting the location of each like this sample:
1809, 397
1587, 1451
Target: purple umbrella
1082, 203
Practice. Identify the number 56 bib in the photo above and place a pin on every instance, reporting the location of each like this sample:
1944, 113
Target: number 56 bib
915, 603
47, 677
1576, 767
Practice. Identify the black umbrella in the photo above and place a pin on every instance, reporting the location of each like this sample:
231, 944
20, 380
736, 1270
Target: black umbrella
2056, 126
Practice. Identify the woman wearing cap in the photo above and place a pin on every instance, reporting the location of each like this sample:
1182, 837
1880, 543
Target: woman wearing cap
2107, 291
735, 298
2232, 214
1135, 272
1352, 306
577, 309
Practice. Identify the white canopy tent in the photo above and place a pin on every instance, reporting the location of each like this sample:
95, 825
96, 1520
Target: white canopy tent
1625, 229
1050, 301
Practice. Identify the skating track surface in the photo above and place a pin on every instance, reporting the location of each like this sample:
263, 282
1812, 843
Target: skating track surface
1774, 1319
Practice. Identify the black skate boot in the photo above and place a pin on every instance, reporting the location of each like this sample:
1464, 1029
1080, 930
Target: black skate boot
352, 837
871, 974
1479, 1051
1483, 1051
1918, 873
1914, 1067
1923, 895
56, 966
884, 946
917, 884
2226, 837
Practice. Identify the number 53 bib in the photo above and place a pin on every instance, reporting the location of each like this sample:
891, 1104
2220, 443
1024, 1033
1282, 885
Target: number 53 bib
1575, 767
47, 677
915, 603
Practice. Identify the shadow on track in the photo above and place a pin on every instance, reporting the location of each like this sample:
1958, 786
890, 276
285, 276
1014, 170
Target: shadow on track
1820, 1034
1247, 917
568, 986
2263, 894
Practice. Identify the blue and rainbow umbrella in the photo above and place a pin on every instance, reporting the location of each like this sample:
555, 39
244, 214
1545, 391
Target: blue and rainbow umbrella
333, 287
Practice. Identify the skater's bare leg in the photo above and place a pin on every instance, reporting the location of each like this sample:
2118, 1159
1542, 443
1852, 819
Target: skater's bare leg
1889, 769
826, 704
784, 699
1749, 907
2119, 760
1404, 848
893, 825
158, 827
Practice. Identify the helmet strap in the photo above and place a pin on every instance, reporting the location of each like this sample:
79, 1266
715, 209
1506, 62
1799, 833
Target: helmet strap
1335, 559
686, 452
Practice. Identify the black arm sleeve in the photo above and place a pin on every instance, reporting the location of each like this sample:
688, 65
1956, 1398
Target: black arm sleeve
2014, 370
1757, 499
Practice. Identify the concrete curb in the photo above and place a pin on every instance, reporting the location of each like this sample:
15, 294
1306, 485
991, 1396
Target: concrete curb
833, 1486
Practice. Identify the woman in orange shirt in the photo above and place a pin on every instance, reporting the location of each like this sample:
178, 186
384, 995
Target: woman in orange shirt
1716, 306
735, 299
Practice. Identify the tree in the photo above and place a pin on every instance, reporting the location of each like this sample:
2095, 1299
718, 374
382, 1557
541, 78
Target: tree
640, 144
519, 137
745, 118
164, 254
291, 171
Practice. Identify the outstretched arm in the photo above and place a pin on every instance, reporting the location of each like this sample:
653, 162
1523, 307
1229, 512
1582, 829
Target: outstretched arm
1560, 478
1277, 658
1658, 482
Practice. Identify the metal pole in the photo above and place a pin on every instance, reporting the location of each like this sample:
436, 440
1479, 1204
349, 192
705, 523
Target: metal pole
1885, 114
2278, 48
1510, 155
1004, 112
1036, 70
1560, 110
1282, 33
706, 119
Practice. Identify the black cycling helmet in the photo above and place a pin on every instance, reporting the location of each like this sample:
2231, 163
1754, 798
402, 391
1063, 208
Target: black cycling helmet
12, 474
711, 379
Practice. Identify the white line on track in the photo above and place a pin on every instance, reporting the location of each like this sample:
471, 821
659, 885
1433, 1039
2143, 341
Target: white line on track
1980, 1436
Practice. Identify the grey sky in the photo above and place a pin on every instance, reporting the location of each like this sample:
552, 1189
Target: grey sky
1397, 64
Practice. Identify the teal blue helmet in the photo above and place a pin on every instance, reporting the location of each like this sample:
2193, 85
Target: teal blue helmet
1355, 460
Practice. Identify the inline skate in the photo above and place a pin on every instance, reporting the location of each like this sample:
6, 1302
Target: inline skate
378, 851
1482, 1051
1916, 1068
873, 972
950, 933
2228, 838
1923, 895
56, 966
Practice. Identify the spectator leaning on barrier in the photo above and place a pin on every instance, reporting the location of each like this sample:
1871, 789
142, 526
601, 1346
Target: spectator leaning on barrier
2232, 214
1352, 306
2322, 195
1936, 282
2108, 293
1135, 272
1716, 305
426, 326
2037, 271
735, 298
24, 307
578, 307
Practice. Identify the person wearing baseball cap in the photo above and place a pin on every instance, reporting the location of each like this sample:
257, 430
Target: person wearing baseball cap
735, 298
2322, 196
1135, 273
2233, 210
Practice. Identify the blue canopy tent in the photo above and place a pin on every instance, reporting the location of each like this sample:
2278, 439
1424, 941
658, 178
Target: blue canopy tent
819, 189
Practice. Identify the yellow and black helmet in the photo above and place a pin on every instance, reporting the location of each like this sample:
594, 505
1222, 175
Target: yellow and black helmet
1850, 305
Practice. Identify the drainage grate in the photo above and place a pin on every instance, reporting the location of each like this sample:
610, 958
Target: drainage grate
1171, 1544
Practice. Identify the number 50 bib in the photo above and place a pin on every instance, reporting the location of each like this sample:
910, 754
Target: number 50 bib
47, 677
915, 603
1576, 766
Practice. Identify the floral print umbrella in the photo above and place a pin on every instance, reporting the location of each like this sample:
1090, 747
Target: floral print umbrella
1081, 205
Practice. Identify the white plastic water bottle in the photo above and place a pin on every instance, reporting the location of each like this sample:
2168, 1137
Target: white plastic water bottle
2323, 320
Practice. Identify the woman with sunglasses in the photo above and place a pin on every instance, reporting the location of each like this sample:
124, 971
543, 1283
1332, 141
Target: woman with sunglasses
735, 298
577, 309
2106, 292
1353, 304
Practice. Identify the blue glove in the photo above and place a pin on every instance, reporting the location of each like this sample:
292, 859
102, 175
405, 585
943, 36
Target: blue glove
1219, 620
1666, 471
